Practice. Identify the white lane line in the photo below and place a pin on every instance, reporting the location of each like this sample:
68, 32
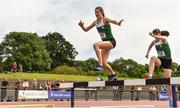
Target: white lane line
28, 106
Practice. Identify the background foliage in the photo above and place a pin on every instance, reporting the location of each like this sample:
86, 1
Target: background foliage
52, 53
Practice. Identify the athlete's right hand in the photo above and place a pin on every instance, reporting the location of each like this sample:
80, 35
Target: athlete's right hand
81, 24
151, 34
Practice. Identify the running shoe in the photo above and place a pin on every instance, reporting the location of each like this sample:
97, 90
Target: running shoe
112, 77
100, 68
147, 76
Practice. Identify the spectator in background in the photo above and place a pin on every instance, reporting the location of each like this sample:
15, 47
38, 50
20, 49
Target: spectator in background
4, 85
53, 85
17, 88
138, 90
49, 84
20, 68
115, 92
120, 89
57, 85
152, 93
40, 86
34, 84
132, 92
14, 67
25, 84
44, 85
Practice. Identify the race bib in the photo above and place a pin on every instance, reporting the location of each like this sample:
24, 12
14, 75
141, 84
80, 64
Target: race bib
103, 35
161, 53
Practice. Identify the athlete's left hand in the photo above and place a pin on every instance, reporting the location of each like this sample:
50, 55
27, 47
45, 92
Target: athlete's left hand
120, 22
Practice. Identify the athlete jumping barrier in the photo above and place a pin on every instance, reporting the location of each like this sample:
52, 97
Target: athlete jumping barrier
135, 82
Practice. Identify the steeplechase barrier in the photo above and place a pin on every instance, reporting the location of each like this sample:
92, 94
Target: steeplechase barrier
132, 82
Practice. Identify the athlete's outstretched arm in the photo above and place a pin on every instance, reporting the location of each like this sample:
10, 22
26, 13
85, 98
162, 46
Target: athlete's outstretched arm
113, 21
81, 24
149, 49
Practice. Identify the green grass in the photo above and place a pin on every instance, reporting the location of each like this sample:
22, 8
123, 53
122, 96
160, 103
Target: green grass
42, 76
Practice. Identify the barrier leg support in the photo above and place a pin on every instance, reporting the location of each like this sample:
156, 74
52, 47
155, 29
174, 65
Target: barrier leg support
174, 96
72, 97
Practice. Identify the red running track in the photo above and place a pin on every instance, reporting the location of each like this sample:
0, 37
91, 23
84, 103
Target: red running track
87, 104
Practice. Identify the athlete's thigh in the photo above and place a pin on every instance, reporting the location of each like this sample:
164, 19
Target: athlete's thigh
104, 44
157, 61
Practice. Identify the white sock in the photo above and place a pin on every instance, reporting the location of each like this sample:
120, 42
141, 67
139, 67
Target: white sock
150, 74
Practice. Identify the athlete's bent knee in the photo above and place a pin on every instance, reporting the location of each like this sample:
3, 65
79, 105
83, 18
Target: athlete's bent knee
153, 58
95, 46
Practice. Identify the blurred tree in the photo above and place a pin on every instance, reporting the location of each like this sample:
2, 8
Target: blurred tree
60, 50
26, 49
178, 68
129, 67
86, 65
174, 66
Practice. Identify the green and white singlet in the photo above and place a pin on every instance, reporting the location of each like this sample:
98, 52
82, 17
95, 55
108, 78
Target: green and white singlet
104, 30
163, 50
